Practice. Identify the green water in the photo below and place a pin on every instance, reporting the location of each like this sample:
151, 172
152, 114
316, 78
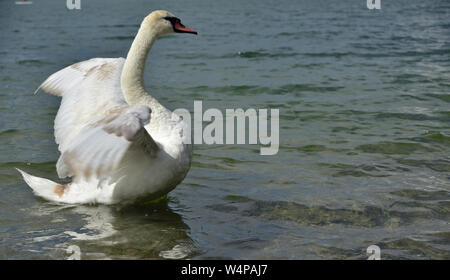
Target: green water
364, 129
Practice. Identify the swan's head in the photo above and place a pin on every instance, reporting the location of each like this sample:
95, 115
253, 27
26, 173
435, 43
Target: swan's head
165, 23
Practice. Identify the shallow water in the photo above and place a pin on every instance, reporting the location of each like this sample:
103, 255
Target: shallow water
364, 130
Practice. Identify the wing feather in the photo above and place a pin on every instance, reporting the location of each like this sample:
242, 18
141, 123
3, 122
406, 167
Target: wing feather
95, 126
99, 148
89, 89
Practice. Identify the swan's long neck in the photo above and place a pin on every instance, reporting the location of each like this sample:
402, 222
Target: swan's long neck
132, 79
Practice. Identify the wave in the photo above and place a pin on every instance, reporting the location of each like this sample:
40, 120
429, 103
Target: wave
393, 148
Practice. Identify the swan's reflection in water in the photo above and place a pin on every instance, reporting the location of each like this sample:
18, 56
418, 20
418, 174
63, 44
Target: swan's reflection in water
119, 232
97, 223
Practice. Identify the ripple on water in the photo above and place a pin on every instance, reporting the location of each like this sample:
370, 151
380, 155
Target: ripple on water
33, 62
367, 216
120, 38
443, 97
439, 165
8, 132
422, 195
407, 116
393, 148
363, 170
407, 248
264, 54
433, 137
293, 89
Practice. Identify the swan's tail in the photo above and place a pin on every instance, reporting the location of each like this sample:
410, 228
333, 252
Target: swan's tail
43, 187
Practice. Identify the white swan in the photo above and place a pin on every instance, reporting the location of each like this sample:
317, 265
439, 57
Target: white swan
118, 143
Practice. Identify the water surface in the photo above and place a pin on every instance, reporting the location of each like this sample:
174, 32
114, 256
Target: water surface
364, 130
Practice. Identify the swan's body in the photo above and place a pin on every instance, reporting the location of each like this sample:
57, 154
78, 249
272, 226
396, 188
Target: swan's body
117, 142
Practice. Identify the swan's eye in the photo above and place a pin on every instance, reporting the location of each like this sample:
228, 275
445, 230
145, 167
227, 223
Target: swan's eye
172, 20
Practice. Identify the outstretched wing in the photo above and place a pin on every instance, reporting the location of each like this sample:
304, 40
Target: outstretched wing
91, 95
99, 147
88, 89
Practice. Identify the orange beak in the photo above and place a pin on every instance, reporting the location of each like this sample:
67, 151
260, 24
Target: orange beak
180, 28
